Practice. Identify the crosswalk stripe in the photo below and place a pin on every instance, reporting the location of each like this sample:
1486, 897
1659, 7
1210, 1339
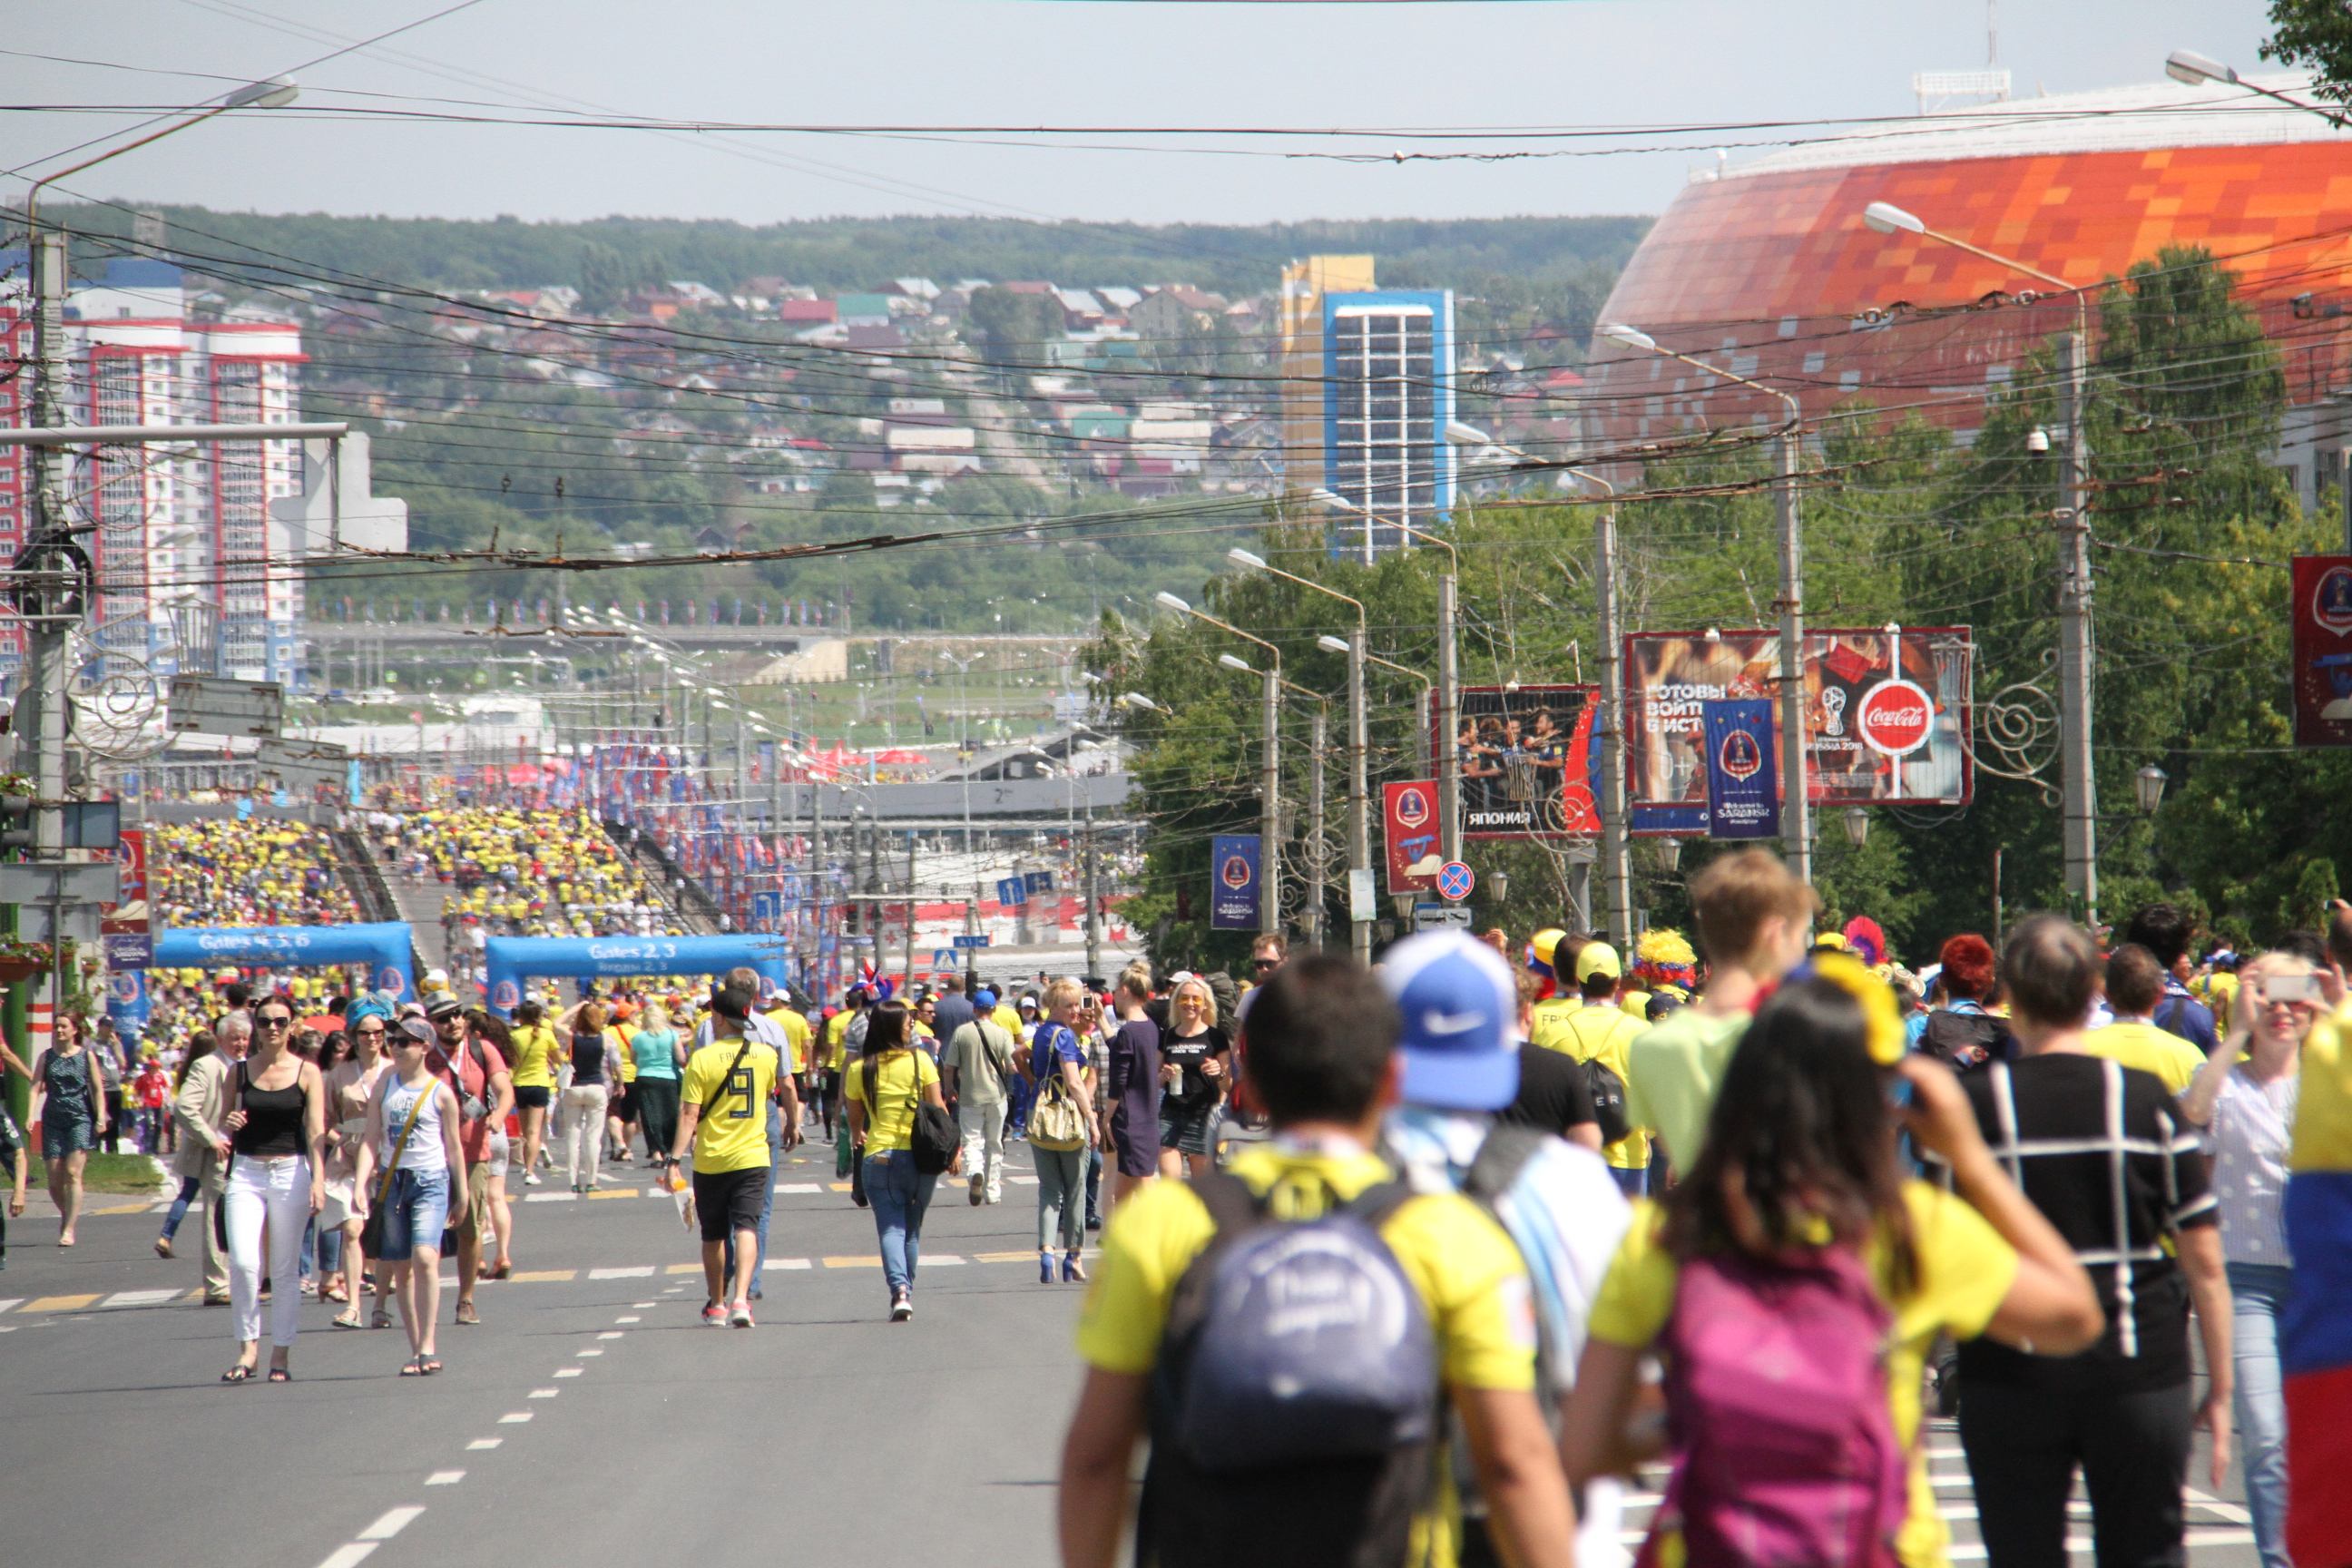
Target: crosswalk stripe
643, 1271
143, 1297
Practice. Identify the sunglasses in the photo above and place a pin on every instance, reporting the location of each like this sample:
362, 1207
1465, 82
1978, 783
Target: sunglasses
369, 1033
1266, 963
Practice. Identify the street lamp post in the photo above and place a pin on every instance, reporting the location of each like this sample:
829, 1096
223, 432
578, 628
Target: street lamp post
1269, 905
2078, 781
1616, 868
1796, 827
1359, 827
1449, 686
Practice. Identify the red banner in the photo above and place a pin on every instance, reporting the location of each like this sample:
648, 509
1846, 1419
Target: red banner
1408, 818
2323, 650
131, 914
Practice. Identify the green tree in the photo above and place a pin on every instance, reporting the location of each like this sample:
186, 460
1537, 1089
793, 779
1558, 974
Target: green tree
2319, 34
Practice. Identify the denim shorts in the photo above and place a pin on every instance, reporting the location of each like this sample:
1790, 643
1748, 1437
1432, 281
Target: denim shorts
1189, 1132
415, 1211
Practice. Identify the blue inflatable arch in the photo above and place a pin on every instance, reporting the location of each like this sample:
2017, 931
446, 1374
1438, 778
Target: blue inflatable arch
512, 960
384, 946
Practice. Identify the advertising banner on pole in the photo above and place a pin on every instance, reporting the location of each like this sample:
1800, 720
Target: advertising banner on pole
2323, 650
1529, 759
1887, 711
127, 916
1408, 818
1743, 785
1233, 881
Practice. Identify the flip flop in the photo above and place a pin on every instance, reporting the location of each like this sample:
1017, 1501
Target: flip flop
426, 1366
280, 1375
238, 1373
410, 1368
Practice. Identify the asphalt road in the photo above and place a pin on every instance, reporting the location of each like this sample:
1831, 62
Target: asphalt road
588, 1421
591, 1419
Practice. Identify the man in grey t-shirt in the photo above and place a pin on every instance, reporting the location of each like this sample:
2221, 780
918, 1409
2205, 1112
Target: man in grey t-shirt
978, 1059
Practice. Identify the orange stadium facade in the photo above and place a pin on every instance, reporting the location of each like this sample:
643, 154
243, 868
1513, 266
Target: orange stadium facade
1767, 269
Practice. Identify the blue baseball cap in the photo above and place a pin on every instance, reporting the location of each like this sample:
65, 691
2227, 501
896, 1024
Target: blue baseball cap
983, 998
1461, 1009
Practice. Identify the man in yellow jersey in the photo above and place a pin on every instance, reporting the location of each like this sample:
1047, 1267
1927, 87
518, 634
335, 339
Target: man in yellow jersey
722, 1120
2134, 986
1322, 1063
1599, 1031
1559, 964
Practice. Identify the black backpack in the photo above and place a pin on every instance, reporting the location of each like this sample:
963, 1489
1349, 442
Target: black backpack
1608, 1092
1295, 1404
1954, 1038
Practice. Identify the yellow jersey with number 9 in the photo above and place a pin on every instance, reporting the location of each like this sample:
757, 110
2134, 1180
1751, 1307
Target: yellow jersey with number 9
733, 1133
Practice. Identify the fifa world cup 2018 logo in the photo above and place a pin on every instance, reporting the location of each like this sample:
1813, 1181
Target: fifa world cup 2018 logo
1833, 710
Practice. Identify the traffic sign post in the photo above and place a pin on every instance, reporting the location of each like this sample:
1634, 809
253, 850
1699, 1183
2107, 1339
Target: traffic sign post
1454, 881
206, 706
979, 941
1441, 916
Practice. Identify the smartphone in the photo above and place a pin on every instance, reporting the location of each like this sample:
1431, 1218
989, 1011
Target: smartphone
2291, 988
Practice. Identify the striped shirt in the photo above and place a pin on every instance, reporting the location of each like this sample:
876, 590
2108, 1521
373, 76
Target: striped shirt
2254, 1124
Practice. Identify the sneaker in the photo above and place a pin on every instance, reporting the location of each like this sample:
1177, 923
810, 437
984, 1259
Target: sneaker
979, 1191
714, 1316
530, 1178
739, 1316
902, 1307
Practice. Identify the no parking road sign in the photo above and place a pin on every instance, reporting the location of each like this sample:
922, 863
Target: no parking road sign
1454, 880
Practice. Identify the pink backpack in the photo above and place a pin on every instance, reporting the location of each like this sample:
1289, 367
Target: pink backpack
1784, 1450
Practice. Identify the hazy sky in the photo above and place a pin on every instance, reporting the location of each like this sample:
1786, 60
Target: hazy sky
1323, 64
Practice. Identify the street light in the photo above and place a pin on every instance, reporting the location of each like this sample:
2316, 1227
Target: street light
2078, 781
2148, 785
1270, 761
1360, 854
1230, 662
2193, 69
1501, 882
1139, 700
1616, 864
1448, 686
1796, 831
1857, 827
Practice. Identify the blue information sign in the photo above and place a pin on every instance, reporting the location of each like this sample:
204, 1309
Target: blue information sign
980, 940
1012, 892
1040, 882
1743, 794
1234, 881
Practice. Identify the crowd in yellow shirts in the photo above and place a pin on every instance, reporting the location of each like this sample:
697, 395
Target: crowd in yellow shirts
250, 873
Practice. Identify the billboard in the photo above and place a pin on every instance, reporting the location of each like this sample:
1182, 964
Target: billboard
1233, 881
1529, 759
1886, 710
2323, 650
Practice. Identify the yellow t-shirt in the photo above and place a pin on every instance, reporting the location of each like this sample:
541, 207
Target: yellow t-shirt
1468, 1273
836, 1051
1676, 1065
1605, 1033
534, 1061
733, 1133
1008, 1019
2323, 1111
2222, 995
898, 1077
1549, 1016
796, 1033
2148, 1048
620, 1035
1964, 1272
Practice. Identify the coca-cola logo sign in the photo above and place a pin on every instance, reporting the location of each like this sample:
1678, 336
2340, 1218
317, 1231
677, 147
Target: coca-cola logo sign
1894, 718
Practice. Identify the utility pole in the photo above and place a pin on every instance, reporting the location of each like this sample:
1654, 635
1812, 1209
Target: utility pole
1319, 742
1360, 832
1443, 721
1269, 916
2078, 786
1796, 814
1094, 902
1617, 875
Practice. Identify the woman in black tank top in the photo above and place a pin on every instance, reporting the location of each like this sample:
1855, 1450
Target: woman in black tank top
276, 1180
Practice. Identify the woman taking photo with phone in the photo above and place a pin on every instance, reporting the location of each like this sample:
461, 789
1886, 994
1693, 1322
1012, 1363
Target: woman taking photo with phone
275, 1146
2244, 1099
411, 1185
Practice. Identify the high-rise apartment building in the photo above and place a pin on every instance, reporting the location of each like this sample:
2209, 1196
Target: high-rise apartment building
192, 574
1367, 393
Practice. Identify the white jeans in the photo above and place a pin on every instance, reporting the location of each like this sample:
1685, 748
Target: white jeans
279, 1191
983, 1145
584, 1110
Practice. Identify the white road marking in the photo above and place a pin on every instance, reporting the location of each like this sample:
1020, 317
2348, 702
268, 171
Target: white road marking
390, 1522
643, 1271
942, 1260
568, 1371
143, 1297
480, 1443
787, 1263
514, 1419
444, 1477
631, 1319
611, 1334
590, 1351
12, 1301
348, 1555
542, 1394
800, 1187
550, 1197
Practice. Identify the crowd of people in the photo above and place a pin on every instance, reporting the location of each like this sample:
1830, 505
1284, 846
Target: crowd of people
1525, 1219
255, 872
